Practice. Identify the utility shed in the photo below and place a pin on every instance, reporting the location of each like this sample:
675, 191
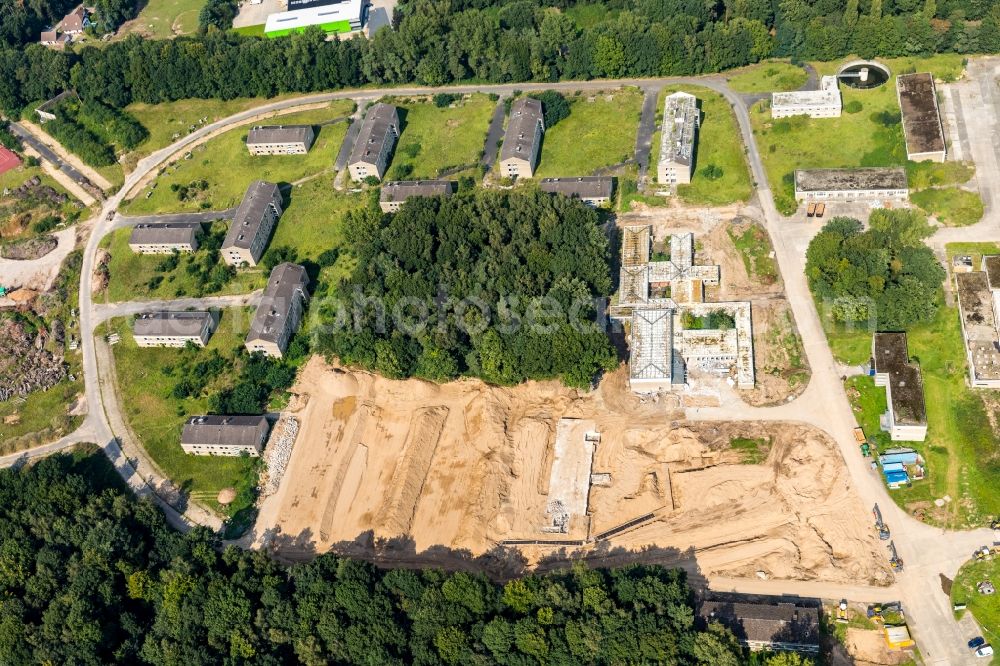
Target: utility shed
219, 435
921, 117
906, 415
863, 183
592, 190
762, 626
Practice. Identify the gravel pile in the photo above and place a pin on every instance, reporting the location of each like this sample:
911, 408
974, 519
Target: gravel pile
279, 452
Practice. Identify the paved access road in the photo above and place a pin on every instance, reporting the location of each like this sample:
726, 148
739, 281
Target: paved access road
202, 217
927, 551
48, 155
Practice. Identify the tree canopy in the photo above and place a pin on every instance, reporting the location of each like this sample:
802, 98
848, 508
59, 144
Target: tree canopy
491, 284
883, 275
436, 42
90, 575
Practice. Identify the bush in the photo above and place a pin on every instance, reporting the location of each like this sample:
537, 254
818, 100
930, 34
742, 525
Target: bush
554, 107
115, 125
411, 150
47, 223
712, 172
218, 14
402, 171
79, 141
441, 100
854, 106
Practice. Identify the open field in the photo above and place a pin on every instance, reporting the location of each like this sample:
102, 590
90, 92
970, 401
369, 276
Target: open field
719, 144
161, 19
436, 141
765, 77
227, 168
596, 134
465, 465
872, 136
16, 217
156, 417
169, 121
951, 206
984, 607
140, 277
43, 417
961, 448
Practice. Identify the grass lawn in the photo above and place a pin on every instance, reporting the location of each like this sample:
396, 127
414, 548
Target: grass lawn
595, 134
164, 121
250, 30
961, 449
43, 417
130, 273
156, 417
224, 163
161, 19
772, 76
434, 141
984, 607
11, 220
872, 136
951, 206
719, 144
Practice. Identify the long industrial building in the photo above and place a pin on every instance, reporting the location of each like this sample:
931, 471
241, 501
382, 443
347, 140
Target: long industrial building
822, 103
681, 119
332, 18
921, 117
905, 418
978, 302
861, 184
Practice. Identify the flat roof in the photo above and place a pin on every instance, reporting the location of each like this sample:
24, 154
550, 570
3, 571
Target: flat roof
680, 122
350, 10
976, 303
827, 95
907, 388
921, 119
174, 324
286, 283
991, 264
585, 187
374, 129
220, 430
250, 214
279, 134
400, 190
861, 178
523, 129
164, 233
777, 623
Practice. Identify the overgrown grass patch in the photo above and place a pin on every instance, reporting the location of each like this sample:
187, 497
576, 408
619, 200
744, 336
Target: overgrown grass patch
755, 248
162, 19
771, 76
753, 451
226, 167
984, 607
599, 132
437, 142
156, 416
951, 206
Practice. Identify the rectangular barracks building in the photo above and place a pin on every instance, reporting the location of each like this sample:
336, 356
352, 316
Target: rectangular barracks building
164, 237
330, 17
861, 184
252, 224
921, 117
280, 140
219, 435
395, 193
523, 141
376, 139
174, 329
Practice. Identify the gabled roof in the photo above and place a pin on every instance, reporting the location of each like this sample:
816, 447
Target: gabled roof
174, 324
374, 132
585, 187
220, 430
250, 214
766, 623
164, 233
279, 134
523, 130
287, 283
400, 190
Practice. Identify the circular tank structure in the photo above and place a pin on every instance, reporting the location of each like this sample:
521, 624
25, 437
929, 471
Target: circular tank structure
863, 74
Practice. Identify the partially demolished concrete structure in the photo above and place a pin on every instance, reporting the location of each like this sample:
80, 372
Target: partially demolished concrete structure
655, 298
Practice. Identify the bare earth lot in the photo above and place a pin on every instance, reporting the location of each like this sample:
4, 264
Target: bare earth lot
449, 471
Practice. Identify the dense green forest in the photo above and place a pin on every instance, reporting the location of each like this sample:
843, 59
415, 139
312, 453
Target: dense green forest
89, 575
492, 284
885, 275
439, 41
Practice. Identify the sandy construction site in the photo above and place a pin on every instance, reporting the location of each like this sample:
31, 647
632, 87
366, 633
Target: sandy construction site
413, 471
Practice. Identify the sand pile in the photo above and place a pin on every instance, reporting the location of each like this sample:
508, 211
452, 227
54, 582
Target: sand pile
464, 467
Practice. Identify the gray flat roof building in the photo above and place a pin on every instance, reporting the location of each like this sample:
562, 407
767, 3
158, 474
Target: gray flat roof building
165, 234
224, 435
851, 184
592, 189
921, 117
280, 310
906, 418
173, 328
395, 192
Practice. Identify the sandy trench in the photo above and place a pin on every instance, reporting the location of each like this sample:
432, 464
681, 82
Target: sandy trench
430, 471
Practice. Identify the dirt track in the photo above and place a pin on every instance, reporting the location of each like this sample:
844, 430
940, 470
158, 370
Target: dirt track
464, 466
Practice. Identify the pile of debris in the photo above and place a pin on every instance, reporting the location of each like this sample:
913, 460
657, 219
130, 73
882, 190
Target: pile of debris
279, 452
33, 188
29, 248
25, 365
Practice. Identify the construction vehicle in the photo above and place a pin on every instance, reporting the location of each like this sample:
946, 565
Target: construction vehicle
877, 612
883, 529
895, 561
982, 553
866, 450
810, 210
842, 612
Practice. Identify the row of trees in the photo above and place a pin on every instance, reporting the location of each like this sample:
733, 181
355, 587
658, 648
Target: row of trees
490, 284
885, 276
79, 140
89, 575
437, 42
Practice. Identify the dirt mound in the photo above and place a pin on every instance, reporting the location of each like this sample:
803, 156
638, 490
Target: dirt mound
431, 472
30, 248
25, 366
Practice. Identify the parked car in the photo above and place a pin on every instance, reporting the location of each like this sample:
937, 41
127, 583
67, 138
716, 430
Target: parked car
977, 642
985, 651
